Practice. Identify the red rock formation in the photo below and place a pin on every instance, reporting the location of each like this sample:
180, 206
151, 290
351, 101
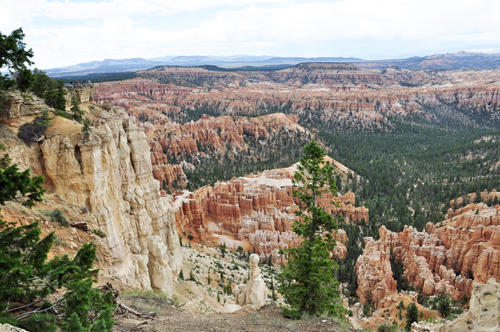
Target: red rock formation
374, 272
361, 106
258, 209
441, 258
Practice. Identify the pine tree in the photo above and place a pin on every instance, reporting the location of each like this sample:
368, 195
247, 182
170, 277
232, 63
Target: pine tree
13, 56
181, 275
25, 275
106, 320
270, 260
411, 315
308, 282
87, 128
444, 305
218, 297
72, 324
76, 111
99, 326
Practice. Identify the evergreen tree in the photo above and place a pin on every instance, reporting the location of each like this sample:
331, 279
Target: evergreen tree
105, 320
13, 55
411, 315
444, 305
26, 276
38, 322
99, 326
87, 128
366, 309
191, 276
222, 248
181, 275
308, 282
270, 260
272, 290
76, 111
72, 324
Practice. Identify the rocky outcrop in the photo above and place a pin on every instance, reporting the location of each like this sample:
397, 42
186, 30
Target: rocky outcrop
10, 328
19, 108
373, 267
110, 173
484, 309
255, 291
82, 93
257, 210
464, 249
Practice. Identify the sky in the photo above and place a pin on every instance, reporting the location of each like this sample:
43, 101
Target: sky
67, 32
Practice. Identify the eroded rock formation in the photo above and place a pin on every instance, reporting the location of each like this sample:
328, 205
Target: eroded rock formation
258, 210
448, 257
332, 100
254, 292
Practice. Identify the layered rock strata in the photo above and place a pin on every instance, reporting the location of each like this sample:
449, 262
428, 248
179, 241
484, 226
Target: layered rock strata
390, 92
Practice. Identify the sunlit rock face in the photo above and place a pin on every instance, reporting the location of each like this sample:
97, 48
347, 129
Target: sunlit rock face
110, 173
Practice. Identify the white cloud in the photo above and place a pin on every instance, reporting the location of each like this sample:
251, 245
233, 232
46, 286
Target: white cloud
252, 27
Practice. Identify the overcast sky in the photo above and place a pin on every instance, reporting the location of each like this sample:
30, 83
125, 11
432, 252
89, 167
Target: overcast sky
67, 32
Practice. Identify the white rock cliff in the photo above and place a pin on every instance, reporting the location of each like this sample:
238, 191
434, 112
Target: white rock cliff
110, 173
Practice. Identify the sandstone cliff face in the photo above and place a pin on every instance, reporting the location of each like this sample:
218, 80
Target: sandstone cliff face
111, 174
440, 258
258, 210
483, 314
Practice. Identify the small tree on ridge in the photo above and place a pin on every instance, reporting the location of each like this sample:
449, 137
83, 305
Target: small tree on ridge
308, 282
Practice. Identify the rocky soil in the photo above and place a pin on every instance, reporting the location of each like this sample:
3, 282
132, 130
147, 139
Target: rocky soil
268, 319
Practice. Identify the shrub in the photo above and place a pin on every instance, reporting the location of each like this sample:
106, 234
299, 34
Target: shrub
387, 328
58, 216
63, 114
99, 233
31, 132
26, 96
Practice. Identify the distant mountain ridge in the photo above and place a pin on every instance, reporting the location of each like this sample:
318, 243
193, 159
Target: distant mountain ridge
448, 61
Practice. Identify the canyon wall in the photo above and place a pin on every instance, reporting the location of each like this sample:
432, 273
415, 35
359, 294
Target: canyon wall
110, 173
453, 95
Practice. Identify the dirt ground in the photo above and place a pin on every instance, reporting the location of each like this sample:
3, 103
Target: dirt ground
268, 319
